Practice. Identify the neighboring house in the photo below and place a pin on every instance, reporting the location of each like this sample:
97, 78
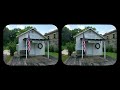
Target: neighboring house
36, 39
93, 42
111, 39
53, 38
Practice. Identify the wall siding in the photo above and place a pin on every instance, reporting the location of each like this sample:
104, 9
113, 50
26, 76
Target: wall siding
34, 46
91, 50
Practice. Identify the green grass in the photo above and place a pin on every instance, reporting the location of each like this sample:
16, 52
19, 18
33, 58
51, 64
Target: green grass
64, 57
111, 54
54, 54
8, 58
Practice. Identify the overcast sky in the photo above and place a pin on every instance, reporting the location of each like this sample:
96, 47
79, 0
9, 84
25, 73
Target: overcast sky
101, 28
44, 28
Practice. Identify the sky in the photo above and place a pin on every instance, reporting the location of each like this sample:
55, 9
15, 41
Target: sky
42, 28
101, 28
45, 28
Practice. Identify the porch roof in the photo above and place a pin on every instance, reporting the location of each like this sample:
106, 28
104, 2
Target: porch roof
37, 39
88, 39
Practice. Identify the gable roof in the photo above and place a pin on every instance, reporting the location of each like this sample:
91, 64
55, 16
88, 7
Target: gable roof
86, 31
56, 30
110, 32
30, 30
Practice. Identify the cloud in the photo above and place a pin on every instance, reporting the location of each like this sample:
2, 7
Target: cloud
8, 26
81, 26
68, 26
20, 26
52, 29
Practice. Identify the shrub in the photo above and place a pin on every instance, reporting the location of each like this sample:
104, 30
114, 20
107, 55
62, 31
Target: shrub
51, 49
56, 49
109, 49
12, 47
71, 47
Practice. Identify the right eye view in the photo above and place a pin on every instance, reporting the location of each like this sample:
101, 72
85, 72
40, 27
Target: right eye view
89, 44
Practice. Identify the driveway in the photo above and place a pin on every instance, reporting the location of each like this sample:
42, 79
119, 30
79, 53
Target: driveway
33, 61
90, 61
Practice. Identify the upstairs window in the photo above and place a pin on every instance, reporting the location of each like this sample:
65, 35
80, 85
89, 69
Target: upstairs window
54, 35
113, 35
48, 37
107, 37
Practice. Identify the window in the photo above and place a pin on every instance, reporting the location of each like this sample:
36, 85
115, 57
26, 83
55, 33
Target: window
54, 35
48, 37
113, 35
107, 37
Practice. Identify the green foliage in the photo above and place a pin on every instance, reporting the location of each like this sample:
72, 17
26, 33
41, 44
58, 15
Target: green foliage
109, 49
51, 48
56, 49
6, 38
66, 35
10, 35
12, 47
64, 47
71, 47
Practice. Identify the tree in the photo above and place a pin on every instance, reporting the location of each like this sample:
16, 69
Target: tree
71, 47
66, 35
6, 33
12, 47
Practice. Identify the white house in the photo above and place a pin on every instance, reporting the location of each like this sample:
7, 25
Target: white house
37, 43
94, 43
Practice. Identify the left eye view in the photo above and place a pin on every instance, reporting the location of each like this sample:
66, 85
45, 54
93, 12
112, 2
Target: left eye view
30, 44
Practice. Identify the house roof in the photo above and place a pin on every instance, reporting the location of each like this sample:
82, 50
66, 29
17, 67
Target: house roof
51, 32
86, 31
30, 30
110, 32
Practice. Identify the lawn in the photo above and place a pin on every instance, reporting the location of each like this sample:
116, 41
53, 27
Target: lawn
54, 54
64, 57
111, 54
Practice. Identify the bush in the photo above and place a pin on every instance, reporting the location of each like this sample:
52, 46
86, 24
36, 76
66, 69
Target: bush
56, 49
12, 47
51, 48
109, 49
71, 47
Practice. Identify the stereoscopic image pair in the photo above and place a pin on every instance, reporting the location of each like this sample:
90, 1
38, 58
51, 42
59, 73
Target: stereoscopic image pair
81, 44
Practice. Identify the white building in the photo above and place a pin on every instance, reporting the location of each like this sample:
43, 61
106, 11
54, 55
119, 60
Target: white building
93, 42
37, 43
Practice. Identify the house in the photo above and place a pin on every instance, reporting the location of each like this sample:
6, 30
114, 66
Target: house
37, 43
111, 39
53, 38
93, 43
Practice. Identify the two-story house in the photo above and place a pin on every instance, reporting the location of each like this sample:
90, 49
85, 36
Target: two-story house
111, 39
53, 38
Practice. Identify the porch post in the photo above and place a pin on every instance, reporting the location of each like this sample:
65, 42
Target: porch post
26, 48
82, 48
104, 50
48, 49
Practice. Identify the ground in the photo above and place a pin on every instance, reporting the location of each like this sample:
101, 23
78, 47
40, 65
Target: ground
90, 61
30, 61
33, 61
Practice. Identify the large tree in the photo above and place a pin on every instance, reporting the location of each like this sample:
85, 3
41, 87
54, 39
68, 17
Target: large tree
66, 35
6, 33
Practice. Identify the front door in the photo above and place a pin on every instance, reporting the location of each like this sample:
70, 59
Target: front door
89, 48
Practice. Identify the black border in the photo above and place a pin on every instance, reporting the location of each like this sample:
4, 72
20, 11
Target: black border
59, 21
